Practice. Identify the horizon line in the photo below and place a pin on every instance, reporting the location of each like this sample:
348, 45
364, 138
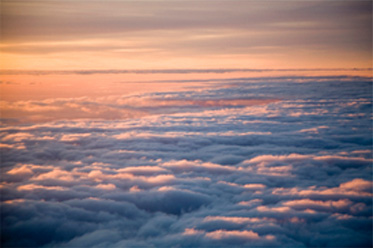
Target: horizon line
167, 71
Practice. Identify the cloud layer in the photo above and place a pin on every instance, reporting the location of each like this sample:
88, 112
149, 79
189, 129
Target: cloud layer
285, 162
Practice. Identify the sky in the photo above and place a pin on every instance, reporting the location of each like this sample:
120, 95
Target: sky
70, 35
186, 123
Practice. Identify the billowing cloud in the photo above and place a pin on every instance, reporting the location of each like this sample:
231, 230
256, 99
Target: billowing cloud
292, 171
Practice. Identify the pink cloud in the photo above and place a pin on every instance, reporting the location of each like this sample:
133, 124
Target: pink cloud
273, 209
74, 137
309, 204
185, 165
23, 170
192, 231
237, 220
35, 187
142, 169
17, 137
56, 174
19, 146
223, 234
274, 158
356, 187
254, 186
135, 189
108, 186
357, 184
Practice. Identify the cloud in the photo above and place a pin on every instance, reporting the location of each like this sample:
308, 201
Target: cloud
311, 204
342, 190
238, 220
231, 94
221, 234
196, 166
199, 175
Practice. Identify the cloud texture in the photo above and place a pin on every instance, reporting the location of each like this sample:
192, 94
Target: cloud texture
282, 162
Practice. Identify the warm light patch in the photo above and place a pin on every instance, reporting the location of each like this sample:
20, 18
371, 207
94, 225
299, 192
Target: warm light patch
108, 186
24, 169
273, 209
224, 234
30, 187
192, 231
237, 220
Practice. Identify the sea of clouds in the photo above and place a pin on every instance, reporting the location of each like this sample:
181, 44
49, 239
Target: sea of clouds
245, 162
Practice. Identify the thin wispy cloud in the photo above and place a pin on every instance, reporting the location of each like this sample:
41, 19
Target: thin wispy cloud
173, 34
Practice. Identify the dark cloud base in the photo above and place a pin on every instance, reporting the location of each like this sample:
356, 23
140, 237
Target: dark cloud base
295, 172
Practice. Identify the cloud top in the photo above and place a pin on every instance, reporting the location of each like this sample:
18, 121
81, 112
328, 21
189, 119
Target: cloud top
294, 171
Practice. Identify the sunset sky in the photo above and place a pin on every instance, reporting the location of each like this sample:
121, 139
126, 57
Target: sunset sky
83, 42
70, 35
186, 123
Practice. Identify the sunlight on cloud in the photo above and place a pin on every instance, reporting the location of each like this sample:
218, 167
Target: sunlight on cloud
209, 172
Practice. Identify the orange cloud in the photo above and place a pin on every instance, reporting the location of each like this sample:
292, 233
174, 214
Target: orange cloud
309, 204
237, 220
55, 174
23, 170
35, 187
356, 187
192, 231
108, 186
273, 209
223, 234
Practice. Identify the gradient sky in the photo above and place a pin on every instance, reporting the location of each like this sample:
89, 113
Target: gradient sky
62, 35
97, 36
186, 123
